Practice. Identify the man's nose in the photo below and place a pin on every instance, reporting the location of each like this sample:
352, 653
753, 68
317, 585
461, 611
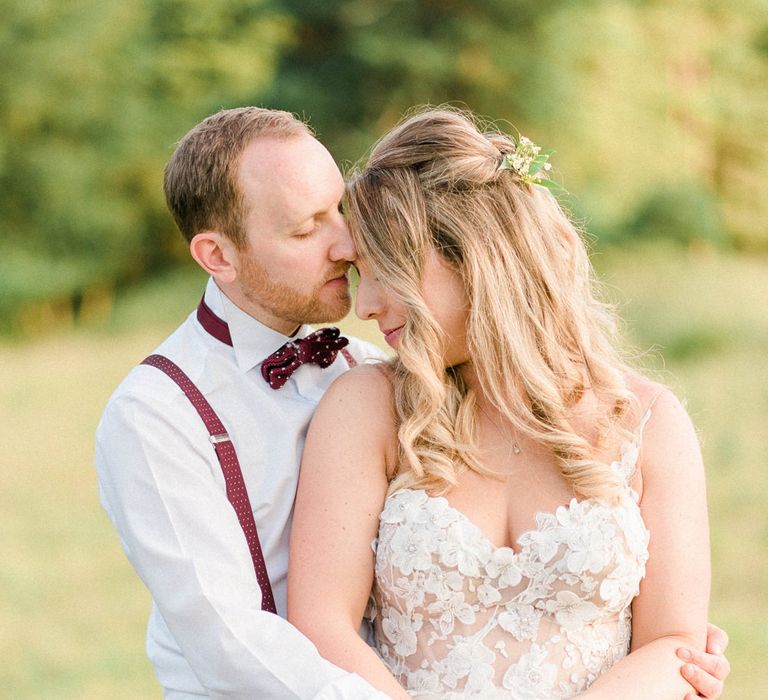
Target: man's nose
342, 248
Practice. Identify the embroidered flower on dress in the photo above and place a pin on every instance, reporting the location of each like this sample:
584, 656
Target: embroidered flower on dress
531, 678
403, 506
521, 621
620, 586
570, 611
411, 549
464, 548
488, 594
423, 681
410, 588
441, 583
503, 565
401, 630
590, 536
467, 659
438, 512
544, 541
447, 609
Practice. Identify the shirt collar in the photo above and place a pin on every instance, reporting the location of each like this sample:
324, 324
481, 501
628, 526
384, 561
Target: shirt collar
252, 341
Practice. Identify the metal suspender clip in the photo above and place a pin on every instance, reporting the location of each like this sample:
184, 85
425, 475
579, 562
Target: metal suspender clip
222, 437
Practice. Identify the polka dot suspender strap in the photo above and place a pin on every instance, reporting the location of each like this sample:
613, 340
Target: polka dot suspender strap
351, 361
230, 466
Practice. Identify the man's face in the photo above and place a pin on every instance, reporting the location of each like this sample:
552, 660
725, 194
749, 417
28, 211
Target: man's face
293, 267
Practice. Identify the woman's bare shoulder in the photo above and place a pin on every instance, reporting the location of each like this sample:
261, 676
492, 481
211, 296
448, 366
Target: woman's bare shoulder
650, 395
362, 400
668, 435
370, 383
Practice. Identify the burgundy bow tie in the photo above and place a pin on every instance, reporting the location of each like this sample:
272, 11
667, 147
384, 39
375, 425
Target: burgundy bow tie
319, 348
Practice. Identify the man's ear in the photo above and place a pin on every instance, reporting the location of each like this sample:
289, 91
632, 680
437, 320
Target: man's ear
216, 254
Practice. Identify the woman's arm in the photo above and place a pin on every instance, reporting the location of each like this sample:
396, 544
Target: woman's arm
341, 493
671, 609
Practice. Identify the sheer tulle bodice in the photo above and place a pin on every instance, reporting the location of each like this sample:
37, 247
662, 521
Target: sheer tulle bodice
456, 617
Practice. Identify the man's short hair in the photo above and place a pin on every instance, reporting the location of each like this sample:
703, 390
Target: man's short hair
201, 186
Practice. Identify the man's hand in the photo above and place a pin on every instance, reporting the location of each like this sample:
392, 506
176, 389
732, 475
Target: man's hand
706, 671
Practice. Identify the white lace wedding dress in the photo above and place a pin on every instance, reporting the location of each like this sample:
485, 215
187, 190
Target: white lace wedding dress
455, 617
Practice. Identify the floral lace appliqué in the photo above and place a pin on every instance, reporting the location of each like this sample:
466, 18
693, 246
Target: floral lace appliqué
456, 617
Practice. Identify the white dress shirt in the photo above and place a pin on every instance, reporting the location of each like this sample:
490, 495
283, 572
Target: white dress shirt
161, 484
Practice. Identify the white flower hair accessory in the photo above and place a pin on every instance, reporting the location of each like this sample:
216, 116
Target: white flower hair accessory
529, 163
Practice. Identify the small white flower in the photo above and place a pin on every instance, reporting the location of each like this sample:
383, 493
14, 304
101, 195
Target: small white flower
621, 585
590, 536
423, 681
411, 549
570, 611
438, 512
403, 506
521, 621
488, 595
503, 565
411, 589
544, 542
441, 583
531, 678
401, 630
445, 611
468, 659
464, 548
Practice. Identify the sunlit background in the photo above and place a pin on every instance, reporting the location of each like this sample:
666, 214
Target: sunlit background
657, 111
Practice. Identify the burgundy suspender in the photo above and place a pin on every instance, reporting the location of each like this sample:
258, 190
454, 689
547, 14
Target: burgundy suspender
230, 466
225, 450
351, 361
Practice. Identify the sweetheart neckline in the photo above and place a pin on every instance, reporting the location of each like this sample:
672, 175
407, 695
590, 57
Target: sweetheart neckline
574, 501
515, 553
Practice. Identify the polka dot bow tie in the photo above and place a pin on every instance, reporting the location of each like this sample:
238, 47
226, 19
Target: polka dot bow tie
319, 348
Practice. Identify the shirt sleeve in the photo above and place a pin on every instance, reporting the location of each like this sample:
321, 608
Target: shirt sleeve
182, 536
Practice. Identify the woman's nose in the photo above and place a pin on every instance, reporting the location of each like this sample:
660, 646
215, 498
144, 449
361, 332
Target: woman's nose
368, 300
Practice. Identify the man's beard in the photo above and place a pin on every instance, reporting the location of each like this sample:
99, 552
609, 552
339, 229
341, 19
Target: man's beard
289, 304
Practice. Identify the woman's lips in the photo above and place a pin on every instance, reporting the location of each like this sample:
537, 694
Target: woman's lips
391, 336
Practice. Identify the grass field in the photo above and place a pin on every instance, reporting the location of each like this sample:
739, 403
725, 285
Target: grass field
72, 613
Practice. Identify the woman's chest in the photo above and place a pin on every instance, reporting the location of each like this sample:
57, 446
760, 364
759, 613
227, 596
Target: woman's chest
586, 555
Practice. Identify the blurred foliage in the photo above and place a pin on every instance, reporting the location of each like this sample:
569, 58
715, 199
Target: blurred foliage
657, 111
684, 213
92, 96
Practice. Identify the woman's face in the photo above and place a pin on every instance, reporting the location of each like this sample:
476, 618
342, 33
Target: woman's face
444, 294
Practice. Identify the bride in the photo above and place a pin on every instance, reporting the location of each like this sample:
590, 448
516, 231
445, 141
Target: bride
516, 511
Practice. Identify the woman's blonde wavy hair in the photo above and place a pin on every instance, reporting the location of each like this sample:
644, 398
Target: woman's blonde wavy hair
537, 335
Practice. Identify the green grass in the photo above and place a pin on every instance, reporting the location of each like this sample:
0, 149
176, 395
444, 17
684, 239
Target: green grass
72, 612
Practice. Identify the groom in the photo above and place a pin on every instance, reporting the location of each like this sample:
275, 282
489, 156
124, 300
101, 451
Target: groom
198, 450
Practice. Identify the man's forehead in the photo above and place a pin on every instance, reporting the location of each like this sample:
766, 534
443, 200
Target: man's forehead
294, 177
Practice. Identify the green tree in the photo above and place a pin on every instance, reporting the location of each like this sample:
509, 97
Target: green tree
92, 97
354, 67
635, 96
640, 97
653, 108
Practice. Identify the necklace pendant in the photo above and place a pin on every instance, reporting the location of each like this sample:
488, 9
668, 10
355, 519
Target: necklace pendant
516, 449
